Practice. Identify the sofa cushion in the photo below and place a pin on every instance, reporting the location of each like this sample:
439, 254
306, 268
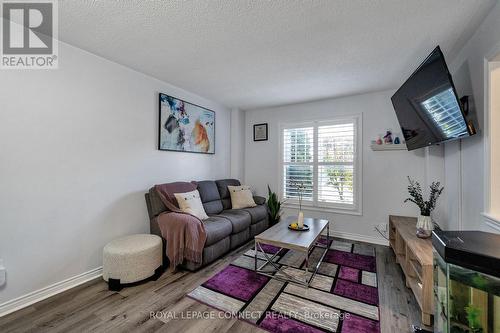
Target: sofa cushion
257, 213
259, 200
210, 254
259, 227
240, 220
224, 192
240, 238
190, 203
210, 197
241, 197
217, 228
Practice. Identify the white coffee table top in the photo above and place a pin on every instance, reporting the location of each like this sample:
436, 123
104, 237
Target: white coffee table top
279, 234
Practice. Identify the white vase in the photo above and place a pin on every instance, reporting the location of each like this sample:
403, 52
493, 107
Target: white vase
424, 226
300, 220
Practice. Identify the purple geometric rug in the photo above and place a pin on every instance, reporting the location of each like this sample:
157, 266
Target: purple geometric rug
342, 297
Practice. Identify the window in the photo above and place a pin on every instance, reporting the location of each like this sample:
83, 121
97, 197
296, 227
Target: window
491, 212
324, 158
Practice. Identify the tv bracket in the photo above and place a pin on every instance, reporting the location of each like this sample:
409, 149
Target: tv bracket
465, 104
466, 109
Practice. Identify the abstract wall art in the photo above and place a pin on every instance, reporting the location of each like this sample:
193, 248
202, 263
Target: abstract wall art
185, 126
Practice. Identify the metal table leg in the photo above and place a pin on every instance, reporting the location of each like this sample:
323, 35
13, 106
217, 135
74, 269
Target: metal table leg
255, 248
269, 260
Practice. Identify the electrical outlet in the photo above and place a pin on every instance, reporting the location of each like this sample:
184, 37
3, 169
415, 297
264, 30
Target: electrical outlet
2, 273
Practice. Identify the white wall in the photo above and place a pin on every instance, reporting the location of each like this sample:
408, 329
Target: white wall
384, 172
464, 162
78, 149
434, 172
237, 143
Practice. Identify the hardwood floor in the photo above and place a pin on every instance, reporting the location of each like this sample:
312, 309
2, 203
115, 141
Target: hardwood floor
92, 308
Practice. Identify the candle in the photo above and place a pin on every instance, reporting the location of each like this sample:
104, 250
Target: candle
300, 221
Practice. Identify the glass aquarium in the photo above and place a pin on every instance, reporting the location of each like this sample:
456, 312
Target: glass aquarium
466, 301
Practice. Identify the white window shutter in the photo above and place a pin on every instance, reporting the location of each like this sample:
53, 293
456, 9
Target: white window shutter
298, 159
336, 154
323, 157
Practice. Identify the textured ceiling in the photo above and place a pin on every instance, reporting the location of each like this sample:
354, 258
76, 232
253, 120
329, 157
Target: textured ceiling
256, 53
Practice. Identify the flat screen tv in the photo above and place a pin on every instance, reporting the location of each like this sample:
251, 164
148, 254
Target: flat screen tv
427, 106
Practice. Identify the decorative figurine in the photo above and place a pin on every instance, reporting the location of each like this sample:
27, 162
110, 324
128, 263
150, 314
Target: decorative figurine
397, 141
388, 137
379, 139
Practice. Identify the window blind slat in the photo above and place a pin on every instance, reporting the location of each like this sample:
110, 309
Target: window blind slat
298, 144
336, 143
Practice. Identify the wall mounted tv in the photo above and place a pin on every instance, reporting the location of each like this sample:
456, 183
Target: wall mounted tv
427, 106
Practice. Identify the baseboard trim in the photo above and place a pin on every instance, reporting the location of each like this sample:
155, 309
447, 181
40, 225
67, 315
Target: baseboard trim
44, 293
360, 238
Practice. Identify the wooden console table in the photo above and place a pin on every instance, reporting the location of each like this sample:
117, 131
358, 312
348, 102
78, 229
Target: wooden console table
415, 257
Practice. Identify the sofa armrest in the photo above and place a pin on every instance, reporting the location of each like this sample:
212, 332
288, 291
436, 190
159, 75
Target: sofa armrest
259, 200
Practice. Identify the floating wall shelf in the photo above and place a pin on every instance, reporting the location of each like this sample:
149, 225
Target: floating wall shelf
400, 146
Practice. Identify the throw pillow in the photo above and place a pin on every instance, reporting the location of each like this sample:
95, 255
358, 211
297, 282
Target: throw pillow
241, 197
190, 202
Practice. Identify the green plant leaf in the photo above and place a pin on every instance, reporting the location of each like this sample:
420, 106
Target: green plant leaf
273, 204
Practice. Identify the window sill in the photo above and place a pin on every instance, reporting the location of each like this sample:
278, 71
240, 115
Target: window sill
324, 209
491, 222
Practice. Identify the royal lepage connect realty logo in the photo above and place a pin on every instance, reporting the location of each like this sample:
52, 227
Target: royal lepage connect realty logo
29, 34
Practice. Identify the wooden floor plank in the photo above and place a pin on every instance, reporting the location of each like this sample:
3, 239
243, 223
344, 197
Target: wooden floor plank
92, 308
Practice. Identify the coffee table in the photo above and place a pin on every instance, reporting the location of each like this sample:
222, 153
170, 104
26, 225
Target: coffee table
302, 241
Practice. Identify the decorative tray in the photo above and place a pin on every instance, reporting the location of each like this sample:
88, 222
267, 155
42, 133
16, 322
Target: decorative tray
305, 228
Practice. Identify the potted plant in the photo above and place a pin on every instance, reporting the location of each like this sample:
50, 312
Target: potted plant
273, 206
424, 222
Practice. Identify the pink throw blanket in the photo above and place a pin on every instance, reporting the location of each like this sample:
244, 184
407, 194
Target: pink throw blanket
185, 234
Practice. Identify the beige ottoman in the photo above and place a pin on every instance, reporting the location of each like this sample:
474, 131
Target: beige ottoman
131, 259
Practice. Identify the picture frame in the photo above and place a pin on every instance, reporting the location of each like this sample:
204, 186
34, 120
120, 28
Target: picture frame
184, 126
260, 132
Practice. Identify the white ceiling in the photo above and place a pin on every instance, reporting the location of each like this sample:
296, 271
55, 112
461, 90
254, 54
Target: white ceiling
257, 53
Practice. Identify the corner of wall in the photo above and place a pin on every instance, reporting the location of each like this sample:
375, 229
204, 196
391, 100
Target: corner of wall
237, 144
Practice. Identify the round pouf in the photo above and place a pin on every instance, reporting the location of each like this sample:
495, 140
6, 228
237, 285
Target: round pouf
131, 259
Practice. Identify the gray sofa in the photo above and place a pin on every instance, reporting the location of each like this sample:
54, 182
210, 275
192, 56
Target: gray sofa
226, 228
